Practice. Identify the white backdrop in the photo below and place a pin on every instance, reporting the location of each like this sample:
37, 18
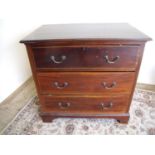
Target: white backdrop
19, 17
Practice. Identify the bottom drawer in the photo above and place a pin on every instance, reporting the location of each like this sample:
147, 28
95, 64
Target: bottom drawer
84, 105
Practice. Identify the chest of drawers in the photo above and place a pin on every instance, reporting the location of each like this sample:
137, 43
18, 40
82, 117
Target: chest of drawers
85, 70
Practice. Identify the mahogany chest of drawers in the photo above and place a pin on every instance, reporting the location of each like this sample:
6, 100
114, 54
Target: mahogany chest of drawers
85, 70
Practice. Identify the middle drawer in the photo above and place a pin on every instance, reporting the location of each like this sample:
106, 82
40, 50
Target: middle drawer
85, 82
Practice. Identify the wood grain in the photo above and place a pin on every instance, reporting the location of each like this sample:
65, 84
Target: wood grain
86, 58
100, 31
85, 82
84, 105
80, 69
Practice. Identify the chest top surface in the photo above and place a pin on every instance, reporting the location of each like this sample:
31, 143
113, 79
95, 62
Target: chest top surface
106, 31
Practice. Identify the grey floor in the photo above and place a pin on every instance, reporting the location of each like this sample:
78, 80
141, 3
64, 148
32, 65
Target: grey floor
10, 108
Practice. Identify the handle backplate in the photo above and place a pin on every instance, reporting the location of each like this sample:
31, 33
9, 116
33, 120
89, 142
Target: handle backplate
62, 58
64, 105
61, 85
113, 60
106, 105
109, 86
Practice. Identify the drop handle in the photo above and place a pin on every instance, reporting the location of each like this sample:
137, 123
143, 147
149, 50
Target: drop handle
106, 105
113, 60
61, 85
62, 58
108, 86
64, 105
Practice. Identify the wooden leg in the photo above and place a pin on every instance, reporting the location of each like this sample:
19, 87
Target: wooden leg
123, 120
47, 119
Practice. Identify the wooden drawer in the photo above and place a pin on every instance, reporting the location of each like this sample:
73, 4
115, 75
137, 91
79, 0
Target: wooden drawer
85, 82
84, 105
85, 70
86, 58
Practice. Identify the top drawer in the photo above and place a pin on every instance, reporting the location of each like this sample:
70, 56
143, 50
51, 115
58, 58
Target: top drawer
86, 58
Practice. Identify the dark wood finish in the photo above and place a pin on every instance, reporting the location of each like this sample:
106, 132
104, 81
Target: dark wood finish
85, 82
85, 70
141, 49
78, 105
80, 43
121, 118
106, 31
84, 58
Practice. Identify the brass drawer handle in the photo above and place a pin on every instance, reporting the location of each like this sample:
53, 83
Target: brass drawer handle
63, 57
111, 61
109, 86
61, 86
64, 105
106, 105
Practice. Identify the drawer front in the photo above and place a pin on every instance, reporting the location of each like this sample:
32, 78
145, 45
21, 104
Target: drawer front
85, 105
86, 58
85, 82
